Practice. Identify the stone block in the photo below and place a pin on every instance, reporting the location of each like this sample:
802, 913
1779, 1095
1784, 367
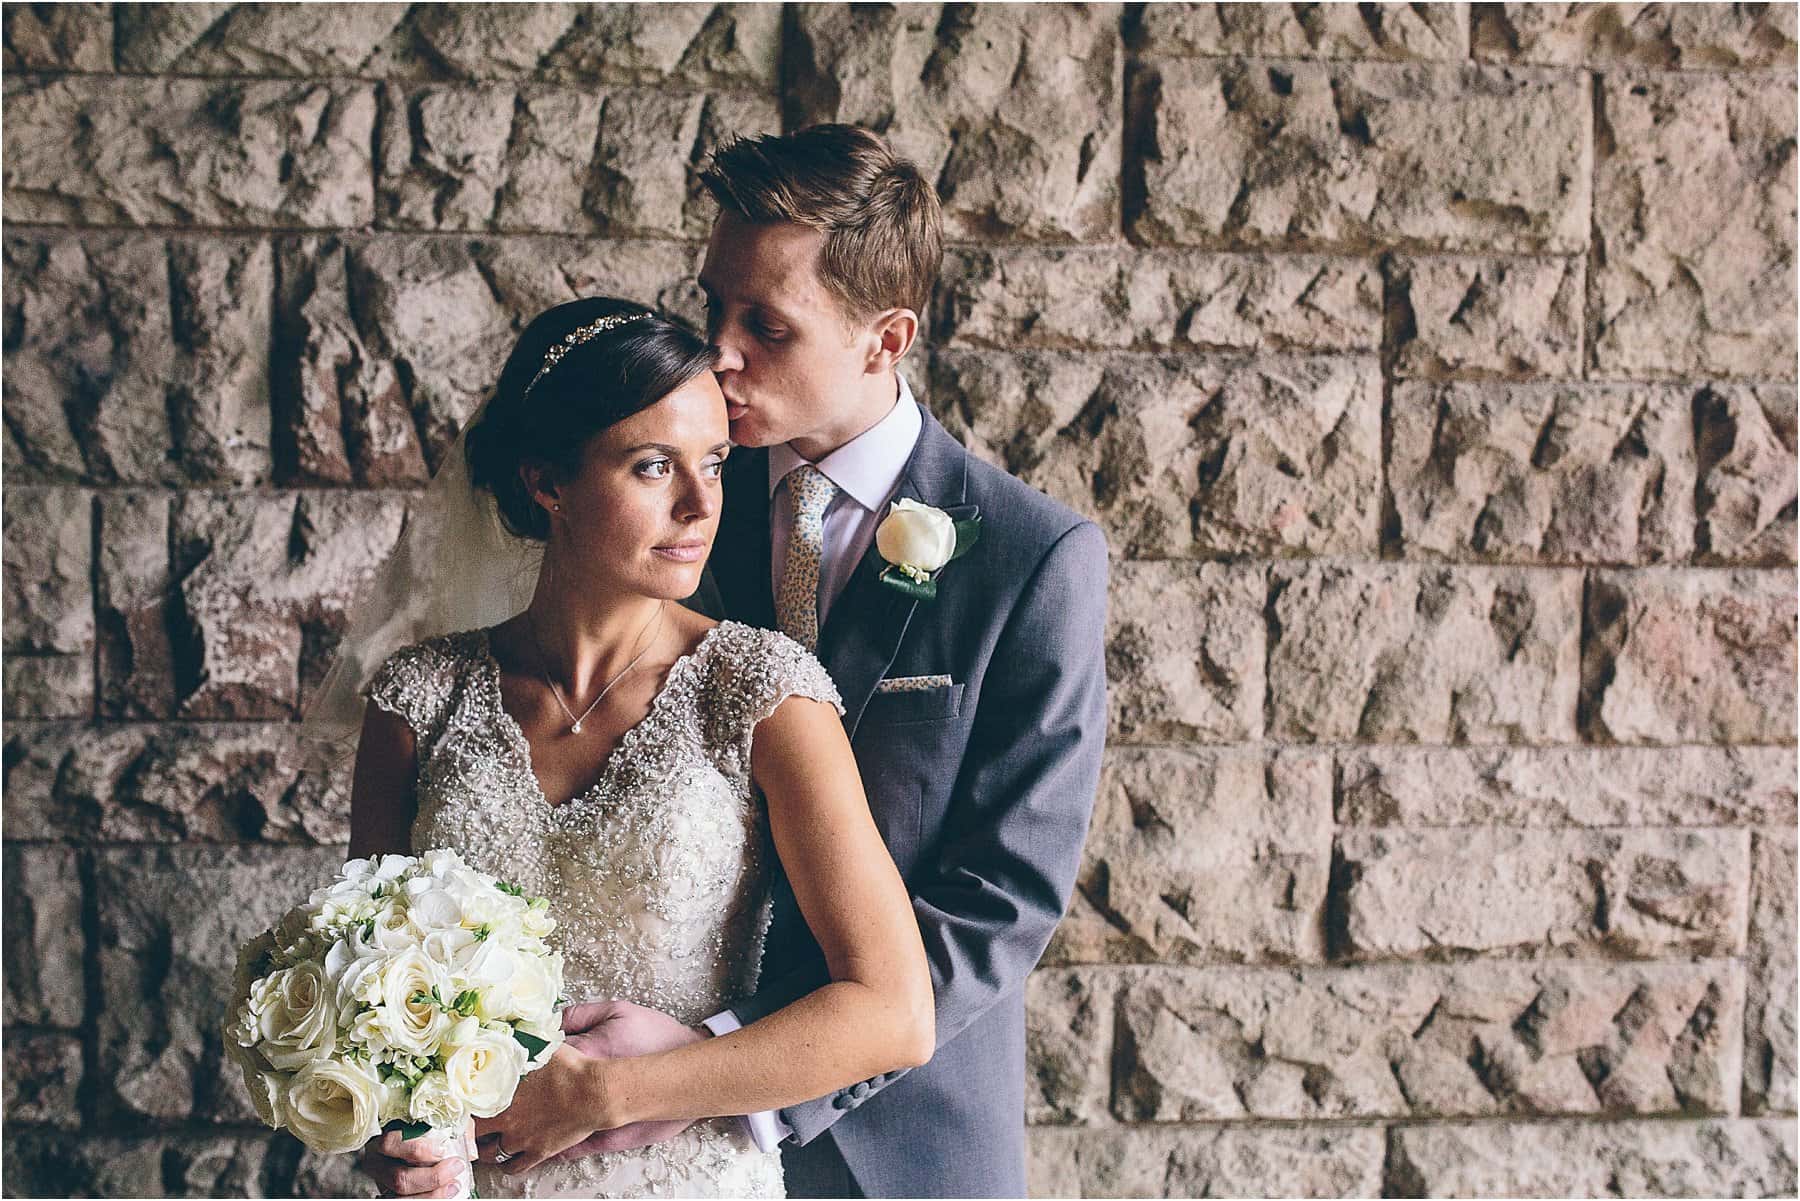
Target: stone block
1553, 786
265, 587
1769, 1056
136, 603
1012, 113
1397, 32
44, 1163
1400, 653
1068, 1039
1205, 1161
136, 150
1744, 438
1679, 656
1430, 894
700, 45
1475, 318
1093, 297
1703, 36
1305, 155
1199, 856
58, 37
1541, 473
1594, 1159
1184, 652
1694, 208
43, 1078
49, 603
1473, 1039
389, 345
45, 937
1183, 457
171, 921
461, 157
134, 359
200, 783
254, 39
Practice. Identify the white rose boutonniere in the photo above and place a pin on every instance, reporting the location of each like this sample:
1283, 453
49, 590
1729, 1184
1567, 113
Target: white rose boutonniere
917, 541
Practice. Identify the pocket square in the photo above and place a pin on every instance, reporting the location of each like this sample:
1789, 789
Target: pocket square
912, 683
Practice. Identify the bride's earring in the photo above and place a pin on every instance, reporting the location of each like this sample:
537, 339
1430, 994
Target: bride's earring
556, 508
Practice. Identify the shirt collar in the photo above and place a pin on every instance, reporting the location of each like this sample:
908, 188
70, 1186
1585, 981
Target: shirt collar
868, 467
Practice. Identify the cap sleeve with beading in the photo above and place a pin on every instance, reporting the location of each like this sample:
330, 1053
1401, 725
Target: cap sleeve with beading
753, 672
418, 682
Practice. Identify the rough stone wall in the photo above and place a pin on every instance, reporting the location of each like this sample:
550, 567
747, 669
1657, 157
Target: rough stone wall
1431, 368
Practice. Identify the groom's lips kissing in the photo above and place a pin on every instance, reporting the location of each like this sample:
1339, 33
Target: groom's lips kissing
691, 551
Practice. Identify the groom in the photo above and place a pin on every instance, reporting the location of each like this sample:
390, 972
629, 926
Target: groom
977, 716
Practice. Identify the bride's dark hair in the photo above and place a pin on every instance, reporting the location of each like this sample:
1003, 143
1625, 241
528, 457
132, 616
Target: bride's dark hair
597, 383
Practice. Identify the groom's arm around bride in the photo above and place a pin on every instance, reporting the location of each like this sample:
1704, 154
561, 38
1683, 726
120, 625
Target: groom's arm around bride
977, 716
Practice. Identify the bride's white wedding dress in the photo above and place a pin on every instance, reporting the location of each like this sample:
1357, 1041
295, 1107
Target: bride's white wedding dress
658, 874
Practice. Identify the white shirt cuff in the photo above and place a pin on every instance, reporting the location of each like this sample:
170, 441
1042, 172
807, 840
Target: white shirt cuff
766, 1127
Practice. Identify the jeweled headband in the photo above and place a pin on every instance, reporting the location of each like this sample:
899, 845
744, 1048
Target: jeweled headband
574, 338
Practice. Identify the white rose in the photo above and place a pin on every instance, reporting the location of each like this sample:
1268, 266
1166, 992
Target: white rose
484, 1071
296, 1015
435, 1103
916, 536
394, 928
407, 1016
333, 1105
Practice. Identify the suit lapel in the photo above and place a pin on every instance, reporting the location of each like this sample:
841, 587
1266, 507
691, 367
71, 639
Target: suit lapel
868, 622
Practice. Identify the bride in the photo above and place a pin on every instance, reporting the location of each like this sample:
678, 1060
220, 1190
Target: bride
642, 767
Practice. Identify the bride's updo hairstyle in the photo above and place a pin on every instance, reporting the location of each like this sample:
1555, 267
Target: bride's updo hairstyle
577, 369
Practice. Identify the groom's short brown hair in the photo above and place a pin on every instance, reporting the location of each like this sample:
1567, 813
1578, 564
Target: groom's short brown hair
884, 235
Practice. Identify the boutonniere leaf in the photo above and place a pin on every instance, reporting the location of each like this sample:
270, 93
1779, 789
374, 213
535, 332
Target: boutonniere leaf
917, 540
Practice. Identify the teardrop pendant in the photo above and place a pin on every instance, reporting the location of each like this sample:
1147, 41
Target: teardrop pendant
575, 729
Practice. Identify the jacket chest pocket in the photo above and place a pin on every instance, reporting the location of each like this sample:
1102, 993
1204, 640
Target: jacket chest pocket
904, 706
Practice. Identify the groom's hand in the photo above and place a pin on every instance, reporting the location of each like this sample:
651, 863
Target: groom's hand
615, 1030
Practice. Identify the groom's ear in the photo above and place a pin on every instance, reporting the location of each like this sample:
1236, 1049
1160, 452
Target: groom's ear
895, 331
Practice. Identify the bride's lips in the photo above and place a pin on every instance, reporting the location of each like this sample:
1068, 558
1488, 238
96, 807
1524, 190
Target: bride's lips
733, 410
682, 552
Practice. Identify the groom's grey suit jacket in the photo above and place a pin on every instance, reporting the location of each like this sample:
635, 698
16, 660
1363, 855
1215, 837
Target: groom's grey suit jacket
982, 789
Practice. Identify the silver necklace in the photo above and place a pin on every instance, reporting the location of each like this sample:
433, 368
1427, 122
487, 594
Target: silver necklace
544, 665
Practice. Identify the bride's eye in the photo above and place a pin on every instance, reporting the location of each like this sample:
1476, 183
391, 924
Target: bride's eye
654, 469
715, 467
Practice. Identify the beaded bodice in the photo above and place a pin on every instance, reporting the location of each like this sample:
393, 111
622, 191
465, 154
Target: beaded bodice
657, 874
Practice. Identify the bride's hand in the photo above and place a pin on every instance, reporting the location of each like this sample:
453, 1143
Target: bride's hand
555, 1107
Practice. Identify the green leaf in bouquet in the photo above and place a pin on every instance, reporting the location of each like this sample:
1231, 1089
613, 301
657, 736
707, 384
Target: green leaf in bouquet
465, 1002
482, 931
511, 890
534, 1046
412, 1130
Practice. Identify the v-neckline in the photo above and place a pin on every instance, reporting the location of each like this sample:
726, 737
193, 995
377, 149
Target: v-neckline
522, 745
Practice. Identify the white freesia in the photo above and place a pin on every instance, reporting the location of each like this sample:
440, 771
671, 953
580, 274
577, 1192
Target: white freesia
333, 1105
916, 538
484, 1071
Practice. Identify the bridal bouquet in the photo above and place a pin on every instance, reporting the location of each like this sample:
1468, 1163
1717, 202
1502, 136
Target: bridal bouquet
409, 991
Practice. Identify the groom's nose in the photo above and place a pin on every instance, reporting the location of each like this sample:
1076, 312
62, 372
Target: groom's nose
729, 357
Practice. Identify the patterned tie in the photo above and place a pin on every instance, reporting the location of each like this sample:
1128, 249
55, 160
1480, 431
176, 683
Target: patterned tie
797, 605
